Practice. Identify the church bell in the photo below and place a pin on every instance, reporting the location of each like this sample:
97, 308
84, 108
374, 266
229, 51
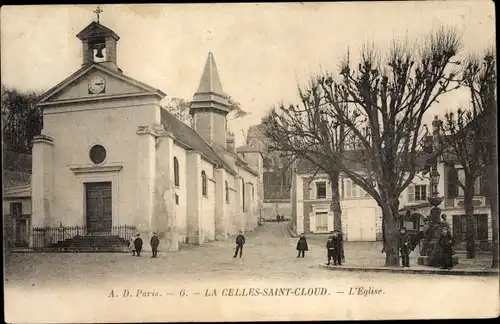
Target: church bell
99, 52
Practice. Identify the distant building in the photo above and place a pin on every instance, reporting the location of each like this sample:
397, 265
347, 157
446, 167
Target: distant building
277, 175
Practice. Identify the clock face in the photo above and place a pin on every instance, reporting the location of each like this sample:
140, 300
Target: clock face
97, 84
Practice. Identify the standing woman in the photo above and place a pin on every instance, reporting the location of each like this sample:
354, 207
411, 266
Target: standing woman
446, 243
302, 245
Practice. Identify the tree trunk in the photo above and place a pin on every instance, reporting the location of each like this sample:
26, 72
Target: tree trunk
391, 231
469, 215
337, 210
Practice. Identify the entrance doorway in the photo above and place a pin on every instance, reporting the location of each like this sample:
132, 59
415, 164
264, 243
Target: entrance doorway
98, 207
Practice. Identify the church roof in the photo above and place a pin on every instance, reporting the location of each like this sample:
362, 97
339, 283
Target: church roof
210, 93
95, 29
210, 80
191, 138
86, 68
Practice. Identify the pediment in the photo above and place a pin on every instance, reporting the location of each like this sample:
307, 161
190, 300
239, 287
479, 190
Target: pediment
76, 87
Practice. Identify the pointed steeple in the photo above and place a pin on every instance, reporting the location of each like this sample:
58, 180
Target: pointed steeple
210, 81
210, 94
210, 106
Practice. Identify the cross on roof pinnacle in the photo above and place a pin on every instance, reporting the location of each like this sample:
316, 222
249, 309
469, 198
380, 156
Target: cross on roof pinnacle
98, 11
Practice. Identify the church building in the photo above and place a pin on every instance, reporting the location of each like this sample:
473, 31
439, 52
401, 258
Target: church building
111, 156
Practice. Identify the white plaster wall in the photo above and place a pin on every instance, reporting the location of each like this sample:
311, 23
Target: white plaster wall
182, 191
250, 218
208, 203
232, 209
75, 132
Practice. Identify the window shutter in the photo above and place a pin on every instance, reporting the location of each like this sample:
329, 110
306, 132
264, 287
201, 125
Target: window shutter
312, 222
477, 186
312, 190
411, 193
328, 189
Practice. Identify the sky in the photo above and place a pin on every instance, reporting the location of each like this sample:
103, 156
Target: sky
262, 51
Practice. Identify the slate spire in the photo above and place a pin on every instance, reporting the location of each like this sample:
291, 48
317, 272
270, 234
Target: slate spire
210, 80
210, 93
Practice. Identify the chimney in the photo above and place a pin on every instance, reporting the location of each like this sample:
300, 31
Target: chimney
231, 147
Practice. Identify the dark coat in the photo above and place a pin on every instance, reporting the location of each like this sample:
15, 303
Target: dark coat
302, 244
404, 243
330, 245
240, 240
138, 243
154, 241
446, 243
337, 243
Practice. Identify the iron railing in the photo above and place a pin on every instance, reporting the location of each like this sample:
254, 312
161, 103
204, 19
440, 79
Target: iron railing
46, 236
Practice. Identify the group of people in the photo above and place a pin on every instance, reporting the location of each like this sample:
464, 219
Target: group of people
444, 245
334, 248
136, 245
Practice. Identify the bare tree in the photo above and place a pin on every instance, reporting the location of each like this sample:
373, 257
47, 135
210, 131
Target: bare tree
308, 133
180, 108
471, 134
461, 131
382, 103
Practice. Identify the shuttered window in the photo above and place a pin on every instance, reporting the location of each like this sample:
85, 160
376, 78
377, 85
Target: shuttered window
411, 193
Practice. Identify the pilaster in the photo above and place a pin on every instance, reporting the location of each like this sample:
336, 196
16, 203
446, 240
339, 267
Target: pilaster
193, 162
42, 180
165, 219
221, 230
145, 184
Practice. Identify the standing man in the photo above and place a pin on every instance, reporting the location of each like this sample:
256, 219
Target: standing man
338, 252
404, 247
446, 243
154, 245
240, 240
138, 244
302, 246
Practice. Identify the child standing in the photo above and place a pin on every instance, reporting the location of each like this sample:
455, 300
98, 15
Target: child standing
132, 245
329, 249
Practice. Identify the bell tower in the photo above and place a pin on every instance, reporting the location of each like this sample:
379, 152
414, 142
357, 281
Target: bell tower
99, 44
210, 106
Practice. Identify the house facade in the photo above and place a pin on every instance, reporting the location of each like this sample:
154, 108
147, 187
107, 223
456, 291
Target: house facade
362, 217
109, 155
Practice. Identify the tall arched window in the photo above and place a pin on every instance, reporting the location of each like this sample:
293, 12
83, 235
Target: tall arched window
176, 172
227, 192
203, 183
243, 194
